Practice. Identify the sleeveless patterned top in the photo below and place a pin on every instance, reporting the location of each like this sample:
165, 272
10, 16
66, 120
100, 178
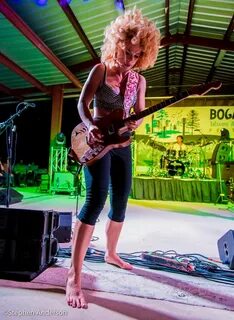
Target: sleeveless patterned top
106, 97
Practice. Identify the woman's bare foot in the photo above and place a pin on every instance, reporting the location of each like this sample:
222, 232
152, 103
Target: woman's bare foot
117, 261
75, 297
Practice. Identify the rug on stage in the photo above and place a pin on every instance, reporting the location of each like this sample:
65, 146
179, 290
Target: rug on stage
138, 282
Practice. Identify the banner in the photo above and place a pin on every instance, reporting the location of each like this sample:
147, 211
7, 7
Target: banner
203, 129
167, 123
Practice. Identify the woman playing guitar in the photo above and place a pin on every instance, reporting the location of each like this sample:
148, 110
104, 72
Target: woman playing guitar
131, 43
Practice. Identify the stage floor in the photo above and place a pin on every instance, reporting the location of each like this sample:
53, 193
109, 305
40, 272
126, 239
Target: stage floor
186, 227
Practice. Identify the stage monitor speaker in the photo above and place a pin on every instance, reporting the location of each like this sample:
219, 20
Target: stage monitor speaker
228, 170
63, 233
14, 196
221, 153
27, 244
26, 254
27, 224
226, 248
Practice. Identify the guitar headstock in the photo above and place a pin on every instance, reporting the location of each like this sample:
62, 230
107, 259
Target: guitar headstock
202, 89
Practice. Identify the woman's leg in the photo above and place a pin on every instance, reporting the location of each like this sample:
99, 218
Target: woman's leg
97, 179
82, 235
113, 230
121, 177
97, 183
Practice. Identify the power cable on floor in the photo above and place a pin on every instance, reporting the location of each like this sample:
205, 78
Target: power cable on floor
191, 264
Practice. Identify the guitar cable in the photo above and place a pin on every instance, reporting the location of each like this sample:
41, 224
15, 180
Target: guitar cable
192, 264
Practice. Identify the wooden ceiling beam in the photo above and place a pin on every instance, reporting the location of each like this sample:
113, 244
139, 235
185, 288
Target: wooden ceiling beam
229, 31
186, 33
217, 60
167, 71
84, 65
197, 41
174, 70
167, 33
10, 92
166, 42
16, 20
182, 67
22, 73
76, 25
221, 53
33, 90
26, 91
167, 16
189, 17
5, 89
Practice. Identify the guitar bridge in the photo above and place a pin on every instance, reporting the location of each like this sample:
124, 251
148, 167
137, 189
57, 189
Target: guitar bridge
90, 154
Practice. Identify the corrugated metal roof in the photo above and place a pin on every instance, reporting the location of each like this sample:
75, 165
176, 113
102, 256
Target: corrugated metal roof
192, 56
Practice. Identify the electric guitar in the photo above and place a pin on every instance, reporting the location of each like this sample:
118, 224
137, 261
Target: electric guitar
113, 127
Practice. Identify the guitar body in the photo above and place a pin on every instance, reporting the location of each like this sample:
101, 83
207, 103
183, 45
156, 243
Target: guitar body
109, 126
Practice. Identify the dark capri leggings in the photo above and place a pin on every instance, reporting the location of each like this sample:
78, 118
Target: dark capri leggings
113, 173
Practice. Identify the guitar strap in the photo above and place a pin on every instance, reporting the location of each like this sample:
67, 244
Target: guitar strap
130, 91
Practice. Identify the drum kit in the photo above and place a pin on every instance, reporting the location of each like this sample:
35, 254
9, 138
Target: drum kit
186, 164
194, 162
177, 162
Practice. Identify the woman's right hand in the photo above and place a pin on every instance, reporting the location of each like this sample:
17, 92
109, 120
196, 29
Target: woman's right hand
94, 135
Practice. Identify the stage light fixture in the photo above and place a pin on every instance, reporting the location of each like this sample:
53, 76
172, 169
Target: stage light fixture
59, 140
225, 135
119, 5
41, 3
64, 2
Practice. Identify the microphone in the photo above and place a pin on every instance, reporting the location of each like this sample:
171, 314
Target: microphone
28, 104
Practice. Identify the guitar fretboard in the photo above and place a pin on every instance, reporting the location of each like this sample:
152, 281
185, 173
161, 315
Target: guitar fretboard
158, 106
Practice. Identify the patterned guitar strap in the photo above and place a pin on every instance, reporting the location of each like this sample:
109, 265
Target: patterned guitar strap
130, 92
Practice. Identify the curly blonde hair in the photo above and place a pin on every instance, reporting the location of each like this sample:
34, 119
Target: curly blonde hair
131, 26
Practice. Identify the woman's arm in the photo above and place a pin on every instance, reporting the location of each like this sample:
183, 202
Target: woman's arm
90, 87
88, 91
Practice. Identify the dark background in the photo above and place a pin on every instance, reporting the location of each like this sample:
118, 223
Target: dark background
31, 142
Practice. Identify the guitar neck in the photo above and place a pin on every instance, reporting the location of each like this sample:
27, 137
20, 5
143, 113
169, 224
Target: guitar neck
158, 106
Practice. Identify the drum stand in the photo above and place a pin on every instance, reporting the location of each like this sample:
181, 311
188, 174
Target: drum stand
222, 198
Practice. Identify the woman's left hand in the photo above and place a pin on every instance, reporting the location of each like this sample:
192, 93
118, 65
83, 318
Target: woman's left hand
132, 125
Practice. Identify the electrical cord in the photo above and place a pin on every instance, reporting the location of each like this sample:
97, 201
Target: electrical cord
191, 264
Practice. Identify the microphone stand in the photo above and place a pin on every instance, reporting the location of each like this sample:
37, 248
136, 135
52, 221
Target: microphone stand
10, 128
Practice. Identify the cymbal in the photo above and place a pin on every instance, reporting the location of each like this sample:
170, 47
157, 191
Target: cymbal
204, 144
160, 147
157, 145
190, 143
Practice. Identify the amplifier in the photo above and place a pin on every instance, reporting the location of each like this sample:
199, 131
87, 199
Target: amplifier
225, 170
63, 233
63, 182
